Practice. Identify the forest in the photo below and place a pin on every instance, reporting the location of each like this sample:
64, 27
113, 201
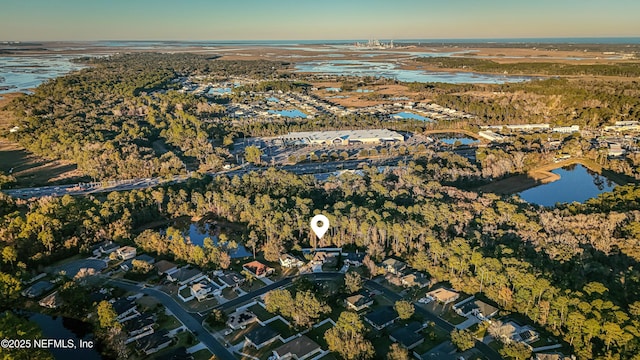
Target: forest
122, 118
533, 68
590, 103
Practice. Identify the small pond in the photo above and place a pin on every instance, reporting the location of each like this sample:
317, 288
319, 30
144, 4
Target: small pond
58, 327
197, 232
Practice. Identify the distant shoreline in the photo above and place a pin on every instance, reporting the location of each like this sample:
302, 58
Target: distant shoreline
524, 40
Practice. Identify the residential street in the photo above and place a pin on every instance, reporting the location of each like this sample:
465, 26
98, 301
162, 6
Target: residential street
193, 321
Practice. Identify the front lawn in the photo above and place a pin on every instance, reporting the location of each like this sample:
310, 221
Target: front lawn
186, 292
250, 286
453, 318
203, 354
168, 322
433, 336
317, 334
263, 353
261, 313
282, 328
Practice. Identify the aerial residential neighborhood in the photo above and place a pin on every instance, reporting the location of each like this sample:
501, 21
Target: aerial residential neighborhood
233, 308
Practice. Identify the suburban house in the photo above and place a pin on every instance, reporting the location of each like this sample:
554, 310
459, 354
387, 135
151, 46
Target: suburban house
51, 301
125, 309
231, 279
443, 295
139, 327
126, 252
261, 337
146, 258
290, 261
37, 289
359, 301
202, 289
258, 269
381, 317
128, 265
109, 247
353, 259
393, 266
408, 336
514, 332
322, 257
105, 247
96, 296
416, 279
165, 267
480, 309
393, 279
300, 348
96, 249
153, 343
240, 319
184, 275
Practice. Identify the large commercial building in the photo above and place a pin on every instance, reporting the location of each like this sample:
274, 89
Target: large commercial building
342, 137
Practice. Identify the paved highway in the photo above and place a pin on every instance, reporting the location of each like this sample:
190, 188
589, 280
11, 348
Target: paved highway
132, 184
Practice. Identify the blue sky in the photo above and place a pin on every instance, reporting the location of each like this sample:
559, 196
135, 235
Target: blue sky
314, 19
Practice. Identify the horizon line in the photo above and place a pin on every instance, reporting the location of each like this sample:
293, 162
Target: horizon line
342, 39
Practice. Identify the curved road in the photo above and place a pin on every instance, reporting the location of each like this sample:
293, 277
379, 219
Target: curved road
193, 321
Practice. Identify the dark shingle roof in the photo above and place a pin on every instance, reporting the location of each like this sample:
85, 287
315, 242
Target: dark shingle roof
299, 347
381, 316
138, 323
261, 335
408, 335
121, 306
154, 340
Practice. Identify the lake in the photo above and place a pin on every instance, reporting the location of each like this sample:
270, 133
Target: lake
219, 91
392, 70
197, 232
409, 115
59, 327
18, 74
289, 113
577, 183
451, 139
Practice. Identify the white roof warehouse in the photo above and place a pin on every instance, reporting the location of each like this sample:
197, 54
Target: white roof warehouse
343, 137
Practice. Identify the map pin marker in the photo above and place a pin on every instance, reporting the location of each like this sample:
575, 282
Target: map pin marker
322, 229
